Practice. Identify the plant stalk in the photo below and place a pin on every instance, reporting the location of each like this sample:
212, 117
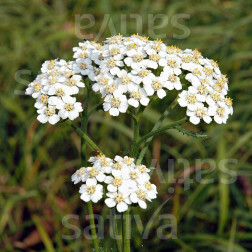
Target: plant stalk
85, 139
155, 127
155, 132
115, 230
92, 226
126, 231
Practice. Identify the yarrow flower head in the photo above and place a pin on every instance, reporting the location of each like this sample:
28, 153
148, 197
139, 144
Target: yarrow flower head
125, 182
53, 90
128, 71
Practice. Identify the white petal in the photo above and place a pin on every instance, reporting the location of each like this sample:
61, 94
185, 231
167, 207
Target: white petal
53, 119
110, 202
114, 112
91, 182
194, 119
42, 118
112, 188
133, 102
142, 204
161, 93
218, 119
207, 119
122, 207
85, 197
134, 197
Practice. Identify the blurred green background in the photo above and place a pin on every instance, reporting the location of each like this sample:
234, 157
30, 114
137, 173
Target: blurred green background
36, 161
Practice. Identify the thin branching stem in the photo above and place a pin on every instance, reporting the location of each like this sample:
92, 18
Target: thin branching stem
155, 132
155, 127
117, 236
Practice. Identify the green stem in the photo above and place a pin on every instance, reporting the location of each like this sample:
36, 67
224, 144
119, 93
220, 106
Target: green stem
126, 231
136, 133
92, 226
96, 108
85, 137
155, 132
84, 124
115, 230
156, 126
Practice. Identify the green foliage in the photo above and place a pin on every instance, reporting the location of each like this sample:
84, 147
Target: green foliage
36, 161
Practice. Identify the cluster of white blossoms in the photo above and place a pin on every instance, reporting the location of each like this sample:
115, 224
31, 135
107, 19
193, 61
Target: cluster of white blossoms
53, 90
128, 71
125, 182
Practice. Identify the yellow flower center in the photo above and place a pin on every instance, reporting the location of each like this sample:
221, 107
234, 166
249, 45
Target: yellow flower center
104, 161
69, 106
51, 64
142, 168
133, 46
83, 66
134, 175
154, 57
220, 112
200, 112
111, 63
202, 89
117, 182
229, 101
37, 87
83, 47
156, 85
115, 103
60, 92
71, 82
119, 198
117, 166
81, 172
137, 58
136, 95
187, 59
143, 73
197, 71
172, 63
125, 79
128, 160
216, 97
208, 71
196, 53
91, 189
93, 172
214, 63
114, 51
69, 73
111, 88
172, 49
148, 185
173, 78
50, 111
44, 99
191, 98
103, 81
83, 55
141, 194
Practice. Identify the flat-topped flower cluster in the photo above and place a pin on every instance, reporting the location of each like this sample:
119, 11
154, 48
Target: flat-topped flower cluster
125, 182
53, 90
128, 71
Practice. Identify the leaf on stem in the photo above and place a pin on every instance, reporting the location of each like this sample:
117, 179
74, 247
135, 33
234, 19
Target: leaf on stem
191, 133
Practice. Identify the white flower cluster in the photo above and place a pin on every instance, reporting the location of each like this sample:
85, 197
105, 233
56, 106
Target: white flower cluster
126, 182
130, 70
53, 90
